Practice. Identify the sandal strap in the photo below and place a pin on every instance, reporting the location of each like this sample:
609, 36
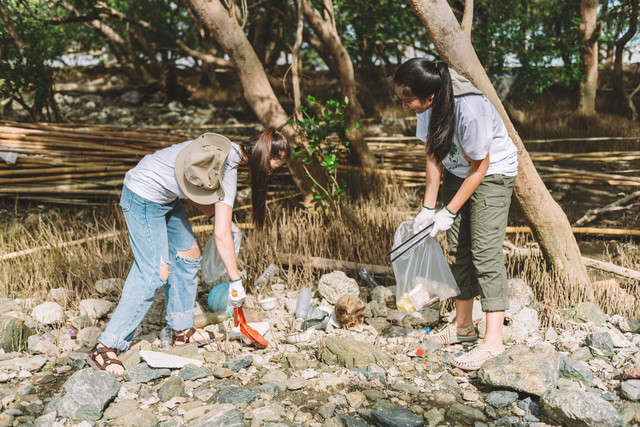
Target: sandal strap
183, 337
106, 359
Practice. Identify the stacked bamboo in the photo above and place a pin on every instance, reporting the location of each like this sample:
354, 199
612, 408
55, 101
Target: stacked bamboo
77, 163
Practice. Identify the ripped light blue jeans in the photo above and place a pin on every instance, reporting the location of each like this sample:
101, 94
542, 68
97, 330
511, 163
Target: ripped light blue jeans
157, 233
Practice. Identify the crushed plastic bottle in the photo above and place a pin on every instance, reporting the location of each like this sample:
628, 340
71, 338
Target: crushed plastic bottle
166, 337
368, 279
302, 306
267, 274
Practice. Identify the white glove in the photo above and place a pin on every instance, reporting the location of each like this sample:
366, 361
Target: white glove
236, 294
442, 220
423, 219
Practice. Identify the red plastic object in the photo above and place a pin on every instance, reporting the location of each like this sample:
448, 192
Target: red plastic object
246, 330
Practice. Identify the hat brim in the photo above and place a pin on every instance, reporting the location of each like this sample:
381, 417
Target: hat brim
193, 192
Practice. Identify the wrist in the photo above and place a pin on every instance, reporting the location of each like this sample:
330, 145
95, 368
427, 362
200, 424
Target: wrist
237, 280
453, 214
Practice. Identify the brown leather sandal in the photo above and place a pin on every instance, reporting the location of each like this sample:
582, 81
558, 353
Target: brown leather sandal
103, 351
184, 337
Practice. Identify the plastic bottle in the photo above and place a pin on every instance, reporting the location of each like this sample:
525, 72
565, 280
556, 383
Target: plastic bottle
203, 319
267, 274
370, 281
166, 337
429, 346
302, 306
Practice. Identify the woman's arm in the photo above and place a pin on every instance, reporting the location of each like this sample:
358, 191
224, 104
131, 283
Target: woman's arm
222, 230
470, 184
224, 239
433, 175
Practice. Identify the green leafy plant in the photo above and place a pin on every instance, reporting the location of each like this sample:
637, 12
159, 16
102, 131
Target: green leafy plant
324, 129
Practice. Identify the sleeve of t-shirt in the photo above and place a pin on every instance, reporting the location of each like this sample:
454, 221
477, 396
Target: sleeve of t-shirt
476, 133
230, 179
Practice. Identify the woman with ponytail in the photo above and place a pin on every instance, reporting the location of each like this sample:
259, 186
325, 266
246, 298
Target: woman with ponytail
166, 254
468, 148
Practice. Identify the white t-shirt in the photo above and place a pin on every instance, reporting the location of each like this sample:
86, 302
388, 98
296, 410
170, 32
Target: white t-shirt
154, 176
479, 131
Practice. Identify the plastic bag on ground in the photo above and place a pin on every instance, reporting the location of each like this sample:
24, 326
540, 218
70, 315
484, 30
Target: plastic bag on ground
212, 267
422, 273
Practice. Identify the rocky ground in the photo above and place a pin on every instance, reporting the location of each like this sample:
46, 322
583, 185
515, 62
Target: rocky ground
587, 373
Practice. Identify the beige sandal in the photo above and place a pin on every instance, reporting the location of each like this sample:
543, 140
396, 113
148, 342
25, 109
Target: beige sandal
451, 334
474, 359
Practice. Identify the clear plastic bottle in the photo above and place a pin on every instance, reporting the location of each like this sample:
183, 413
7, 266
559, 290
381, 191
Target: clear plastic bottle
302, 306
166, 337
203, 319
267, 274
368, 279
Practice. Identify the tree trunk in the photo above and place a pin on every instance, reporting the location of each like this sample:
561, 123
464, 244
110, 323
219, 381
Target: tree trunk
618, 71
255, 84
324, 26
549, 223
589, 33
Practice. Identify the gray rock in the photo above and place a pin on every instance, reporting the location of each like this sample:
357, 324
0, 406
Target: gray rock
459, 413
381, 295
132, 97
235, 395
520, 295
521, 368
336, 284
394, 417
86, 393
351, 353
120, 408
629, 325
47, 420
630, 389
34, 363
501, 398
142, 373
192, 372
94, 308
48, 313
352, 422
600, 344
172, 387
589, 312
7, 305
523, 324
239, 363
577, 408
575, 370
88, 336
139, 418
14, 334
42, 344
630, 411
275, 376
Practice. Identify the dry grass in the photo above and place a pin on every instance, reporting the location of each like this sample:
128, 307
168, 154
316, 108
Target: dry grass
361, 231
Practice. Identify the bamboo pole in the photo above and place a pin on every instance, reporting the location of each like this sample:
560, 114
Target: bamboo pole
582, 230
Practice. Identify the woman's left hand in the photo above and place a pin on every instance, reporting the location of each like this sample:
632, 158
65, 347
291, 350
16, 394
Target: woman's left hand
442, 221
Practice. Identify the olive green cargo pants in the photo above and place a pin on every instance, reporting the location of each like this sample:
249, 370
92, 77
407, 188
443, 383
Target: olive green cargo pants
475, 239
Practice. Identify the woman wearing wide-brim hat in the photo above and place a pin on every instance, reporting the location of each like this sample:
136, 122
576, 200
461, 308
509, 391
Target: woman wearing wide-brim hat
166, 252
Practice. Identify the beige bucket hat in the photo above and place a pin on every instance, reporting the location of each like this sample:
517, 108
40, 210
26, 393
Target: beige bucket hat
199, 168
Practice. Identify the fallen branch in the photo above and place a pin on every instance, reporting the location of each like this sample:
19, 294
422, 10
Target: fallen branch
512, 249
583, 230
592, 214
331, 264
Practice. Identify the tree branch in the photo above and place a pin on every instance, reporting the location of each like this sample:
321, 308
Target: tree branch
467, 18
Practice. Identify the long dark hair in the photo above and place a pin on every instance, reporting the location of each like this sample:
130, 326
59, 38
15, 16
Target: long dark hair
420, 78
259, 151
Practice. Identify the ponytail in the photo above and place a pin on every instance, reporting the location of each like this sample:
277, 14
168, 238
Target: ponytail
420, 78
259, 151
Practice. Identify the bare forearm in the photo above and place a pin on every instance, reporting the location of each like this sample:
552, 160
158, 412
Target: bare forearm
469, 185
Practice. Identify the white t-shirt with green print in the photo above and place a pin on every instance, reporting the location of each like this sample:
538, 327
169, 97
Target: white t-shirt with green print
479, 131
